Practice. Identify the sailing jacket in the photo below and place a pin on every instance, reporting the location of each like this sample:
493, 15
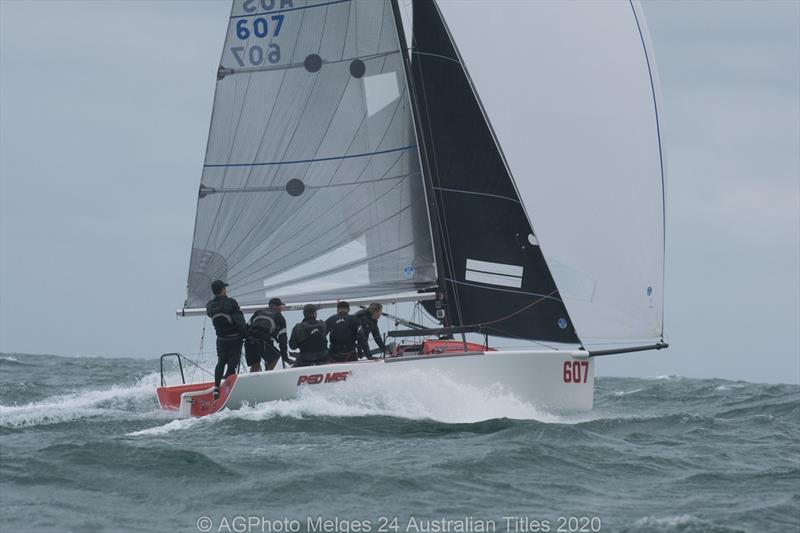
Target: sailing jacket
269, 325
367, 325
227, 318
309, 337
342, 332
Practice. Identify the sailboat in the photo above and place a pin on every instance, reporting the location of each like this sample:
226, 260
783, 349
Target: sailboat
346, 161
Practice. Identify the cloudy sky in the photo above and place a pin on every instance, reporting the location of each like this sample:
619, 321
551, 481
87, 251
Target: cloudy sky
104, 112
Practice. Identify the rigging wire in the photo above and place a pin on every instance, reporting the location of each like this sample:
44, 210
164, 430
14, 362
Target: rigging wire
200, 350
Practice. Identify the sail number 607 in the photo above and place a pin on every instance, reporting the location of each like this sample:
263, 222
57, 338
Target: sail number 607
256, 55
259, 27
576, 371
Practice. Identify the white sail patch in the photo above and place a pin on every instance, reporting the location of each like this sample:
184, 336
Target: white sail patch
380, 91
494, 273
341, 267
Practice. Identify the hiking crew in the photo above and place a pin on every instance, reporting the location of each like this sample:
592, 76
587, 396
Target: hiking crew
343, 334
367, 320
308, 336
266, 326
230, 326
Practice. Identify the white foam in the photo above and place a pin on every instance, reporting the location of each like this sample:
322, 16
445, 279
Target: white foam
729, 386
625, 393
175, 425
10, 359
665, 377
76, 405
411, 394
684, 522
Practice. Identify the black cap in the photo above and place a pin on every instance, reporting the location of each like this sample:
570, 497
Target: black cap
342, 305
217, 285
275, 302
309, 309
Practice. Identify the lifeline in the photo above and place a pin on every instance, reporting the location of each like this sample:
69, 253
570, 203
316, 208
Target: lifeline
455, 525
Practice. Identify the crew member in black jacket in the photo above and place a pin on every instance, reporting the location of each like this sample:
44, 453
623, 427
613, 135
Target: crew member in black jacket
266, 326
309, 337
343, 334
367, 320
229, 323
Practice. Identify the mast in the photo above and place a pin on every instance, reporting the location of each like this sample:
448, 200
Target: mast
430, 195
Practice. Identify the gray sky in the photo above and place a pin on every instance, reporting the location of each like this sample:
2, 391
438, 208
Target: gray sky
104, 113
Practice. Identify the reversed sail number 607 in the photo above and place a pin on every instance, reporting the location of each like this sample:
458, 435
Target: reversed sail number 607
576, 371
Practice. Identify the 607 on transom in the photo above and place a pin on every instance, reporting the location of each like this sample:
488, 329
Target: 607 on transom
576, 371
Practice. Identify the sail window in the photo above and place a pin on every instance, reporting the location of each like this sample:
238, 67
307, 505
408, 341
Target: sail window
572, 283
345, 265
313, 63
357, 68
380, 91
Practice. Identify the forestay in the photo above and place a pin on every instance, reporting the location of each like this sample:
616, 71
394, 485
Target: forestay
311, 187
572, 93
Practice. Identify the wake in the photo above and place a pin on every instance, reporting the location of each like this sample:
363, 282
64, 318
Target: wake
117, 400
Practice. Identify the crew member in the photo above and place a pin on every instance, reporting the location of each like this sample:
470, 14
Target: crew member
309, 337
229, 323
367, 320
266, 327
343, 334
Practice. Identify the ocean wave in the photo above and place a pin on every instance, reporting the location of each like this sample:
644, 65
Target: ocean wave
77, 405
684, 523
665, 377
626, 393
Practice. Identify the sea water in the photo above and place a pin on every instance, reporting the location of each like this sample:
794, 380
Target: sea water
84, 447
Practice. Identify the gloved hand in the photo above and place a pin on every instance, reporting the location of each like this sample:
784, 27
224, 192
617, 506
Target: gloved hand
288, 360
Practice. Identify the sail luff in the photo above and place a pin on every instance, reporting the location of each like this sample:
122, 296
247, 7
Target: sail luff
434, 221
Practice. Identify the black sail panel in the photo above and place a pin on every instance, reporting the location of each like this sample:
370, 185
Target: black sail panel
491, 264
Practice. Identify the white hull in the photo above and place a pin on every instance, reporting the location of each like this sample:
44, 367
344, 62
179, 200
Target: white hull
553, 381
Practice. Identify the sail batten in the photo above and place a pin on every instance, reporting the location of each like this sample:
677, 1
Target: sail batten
309, 160
228, 71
